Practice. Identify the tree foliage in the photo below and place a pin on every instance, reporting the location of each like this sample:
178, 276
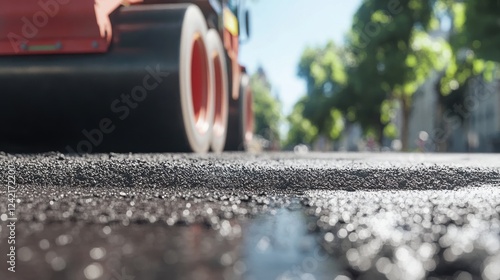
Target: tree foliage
267, 109
394, 54
301, 130
325, 75
470, 47
468, 52
482, 28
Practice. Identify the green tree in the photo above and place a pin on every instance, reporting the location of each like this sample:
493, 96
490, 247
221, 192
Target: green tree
301, 130
468, 54
362, 98
393, 48
394, 54
323, 70
482, 28
267, 108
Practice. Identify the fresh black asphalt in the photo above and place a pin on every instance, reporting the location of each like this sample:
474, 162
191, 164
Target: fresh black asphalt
253, 216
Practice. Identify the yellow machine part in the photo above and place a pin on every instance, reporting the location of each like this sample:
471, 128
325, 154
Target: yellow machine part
230, 22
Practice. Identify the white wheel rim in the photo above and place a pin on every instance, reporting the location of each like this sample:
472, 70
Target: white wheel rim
197, 98
221, 93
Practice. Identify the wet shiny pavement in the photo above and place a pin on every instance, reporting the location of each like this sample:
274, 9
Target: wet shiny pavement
237, 216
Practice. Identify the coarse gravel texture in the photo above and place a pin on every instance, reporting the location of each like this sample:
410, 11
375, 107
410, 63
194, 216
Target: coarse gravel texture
254, 216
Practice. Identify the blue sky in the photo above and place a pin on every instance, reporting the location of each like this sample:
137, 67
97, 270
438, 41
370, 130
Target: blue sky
281, 29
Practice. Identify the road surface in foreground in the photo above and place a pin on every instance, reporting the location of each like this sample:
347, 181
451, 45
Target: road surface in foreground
245, 216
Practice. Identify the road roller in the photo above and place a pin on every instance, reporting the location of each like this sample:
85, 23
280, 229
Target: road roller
87, 76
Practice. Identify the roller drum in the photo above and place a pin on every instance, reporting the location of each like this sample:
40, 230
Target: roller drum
125, 100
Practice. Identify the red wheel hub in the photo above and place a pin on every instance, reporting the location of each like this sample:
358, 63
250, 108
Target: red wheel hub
200, 84
220, 106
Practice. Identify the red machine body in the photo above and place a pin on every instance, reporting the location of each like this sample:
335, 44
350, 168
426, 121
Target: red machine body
55, 26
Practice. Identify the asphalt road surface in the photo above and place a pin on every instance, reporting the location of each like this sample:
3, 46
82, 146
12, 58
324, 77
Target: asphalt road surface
245, 216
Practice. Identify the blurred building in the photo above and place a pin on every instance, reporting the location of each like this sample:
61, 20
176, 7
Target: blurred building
432, 129
423, 118
482, 126
480, 111
351, 138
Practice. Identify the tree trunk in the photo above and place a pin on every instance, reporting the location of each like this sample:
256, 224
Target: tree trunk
405, 129
380, 134
378, 131
440, 145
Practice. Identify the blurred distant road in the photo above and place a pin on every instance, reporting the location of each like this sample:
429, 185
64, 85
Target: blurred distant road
246, 216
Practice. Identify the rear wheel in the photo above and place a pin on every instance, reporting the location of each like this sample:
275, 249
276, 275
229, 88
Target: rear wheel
221, 94
196, 81
176, 115
240, 122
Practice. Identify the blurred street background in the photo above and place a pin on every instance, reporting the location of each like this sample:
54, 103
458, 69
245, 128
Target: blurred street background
399, 75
